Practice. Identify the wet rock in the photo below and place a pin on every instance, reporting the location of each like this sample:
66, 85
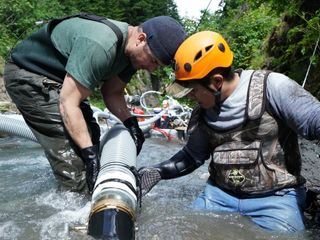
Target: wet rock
6, 104
310, 151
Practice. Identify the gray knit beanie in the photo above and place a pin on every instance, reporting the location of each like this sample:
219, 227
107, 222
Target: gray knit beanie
164, 36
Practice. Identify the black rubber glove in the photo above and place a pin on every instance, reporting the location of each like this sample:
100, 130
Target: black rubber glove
136, 133
90, 157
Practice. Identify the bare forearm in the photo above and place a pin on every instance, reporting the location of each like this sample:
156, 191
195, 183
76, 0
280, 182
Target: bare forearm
75, 124
113, 96
117, 105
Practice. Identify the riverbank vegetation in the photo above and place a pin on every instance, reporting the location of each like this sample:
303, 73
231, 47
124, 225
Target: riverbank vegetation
280, 36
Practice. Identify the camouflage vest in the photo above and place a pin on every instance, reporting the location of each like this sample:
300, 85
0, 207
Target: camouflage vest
259, 157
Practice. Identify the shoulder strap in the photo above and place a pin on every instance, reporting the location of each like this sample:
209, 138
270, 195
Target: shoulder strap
92, 17
104, 20
256, 96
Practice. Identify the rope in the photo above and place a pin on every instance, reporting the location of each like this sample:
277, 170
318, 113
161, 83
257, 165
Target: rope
204, 13
307, 73
164, 133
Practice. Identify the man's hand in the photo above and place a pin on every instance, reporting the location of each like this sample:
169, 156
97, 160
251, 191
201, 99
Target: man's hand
136, 133
90, 157
149, 177
71, 95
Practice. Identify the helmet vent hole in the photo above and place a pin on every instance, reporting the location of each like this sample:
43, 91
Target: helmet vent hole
221, 47
174, 65
208, 48
199, 55
187, 67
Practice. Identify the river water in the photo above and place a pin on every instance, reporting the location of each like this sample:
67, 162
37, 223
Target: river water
32, 206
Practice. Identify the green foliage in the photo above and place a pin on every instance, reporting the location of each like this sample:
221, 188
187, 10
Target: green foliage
190, 25
245, 27
19, 17
293, 42
248, 33
1, 66
278, 35
96, 100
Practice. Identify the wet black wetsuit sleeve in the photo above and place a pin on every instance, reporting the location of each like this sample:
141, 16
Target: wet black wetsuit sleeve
182, 163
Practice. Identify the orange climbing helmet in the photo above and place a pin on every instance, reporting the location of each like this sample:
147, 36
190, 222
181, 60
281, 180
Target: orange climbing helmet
201, 53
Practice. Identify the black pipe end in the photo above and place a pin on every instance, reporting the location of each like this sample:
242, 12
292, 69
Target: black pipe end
111, 224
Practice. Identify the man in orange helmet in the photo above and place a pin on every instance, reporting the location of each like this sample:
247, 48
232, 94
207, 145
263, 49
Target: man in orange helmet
249, 122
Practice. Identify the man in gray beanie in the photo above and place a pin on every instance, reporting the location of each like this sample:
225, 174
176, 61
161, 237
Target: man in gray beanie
51, 73
163, 37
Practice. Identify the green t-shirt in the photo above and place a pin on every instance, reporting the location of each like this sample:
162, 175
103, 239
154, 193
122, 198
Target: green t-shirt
91, 50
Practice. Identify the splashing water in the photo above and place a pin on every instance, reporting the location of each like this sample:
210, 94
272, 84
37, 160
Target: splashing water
33, 207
